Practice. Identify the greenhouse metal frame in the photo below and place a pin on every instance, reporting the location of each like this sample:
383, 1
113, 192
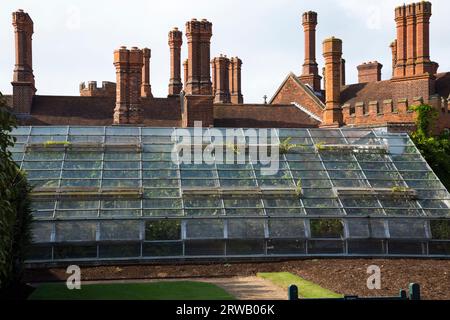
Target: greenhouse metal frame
113, 194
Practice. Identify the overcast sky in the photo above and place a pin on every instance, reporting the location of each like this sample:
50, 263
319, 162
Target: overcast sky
74, 40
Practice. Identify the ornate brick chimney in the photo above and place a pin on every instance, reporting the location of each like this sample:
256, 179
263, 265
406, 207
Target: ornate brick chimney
199, 35
310, 74
198, 98
23, 78
236, 81
121, 60
411, 46
411, 50
146, 88
393, 47
332, 52
135, 81
129, 65
185, 72
221, 81
423, 15
175, 42
400, 19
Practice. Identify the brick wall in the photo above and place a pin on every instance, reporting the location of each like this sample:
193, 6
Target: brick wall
108, 89
292, 92
198, 108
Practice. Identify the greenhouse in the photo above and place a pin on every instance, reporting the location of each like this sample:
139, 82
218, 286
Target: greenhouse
116, 194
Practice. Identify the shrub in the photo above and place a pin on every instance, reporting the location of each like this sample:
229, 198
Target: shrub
435, 149
15, 217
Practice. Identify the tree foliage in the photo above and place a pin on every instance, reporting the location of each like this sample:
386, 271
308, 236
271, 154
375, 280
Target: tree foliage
435, 149
15, 212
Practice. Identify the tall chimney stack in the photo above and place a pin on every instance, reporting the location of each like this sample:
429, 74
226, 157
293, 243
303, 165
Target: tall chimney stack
332, 52
400, 19
199, 35
23, 78
135, 66
185, 72
146, 88
411, 40
175, 42
129, 65
121, 61
221, 81
235, 79
423, 15
310, 74
393, 47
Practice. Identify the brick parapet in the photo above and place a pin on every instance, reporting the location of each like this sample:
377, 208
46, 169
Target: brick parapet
91, 89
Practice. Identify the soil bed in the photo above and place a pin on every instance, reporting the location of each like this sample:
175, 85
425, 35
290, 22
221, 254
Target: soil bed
340, 275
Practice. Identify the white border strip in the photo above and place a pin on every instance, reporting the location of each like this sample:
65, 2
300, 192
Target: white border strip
312, 115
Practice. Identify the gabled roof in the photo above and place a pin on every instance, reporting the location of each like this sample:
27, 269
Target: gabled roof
301, 86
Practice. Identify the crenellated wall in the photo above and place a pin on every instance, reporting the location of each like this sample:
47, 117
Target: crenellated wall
396, 111
108, 89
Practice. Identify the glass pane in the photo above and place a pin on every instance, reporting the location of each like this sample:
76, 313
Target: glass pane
162, 249
287, 228
326, 228
245, 247
204, 229
440, 229
75, 231
205, 248
410, 229
128, 250
365, 228
286, 247
119, 230
246, 228
162, 230
42, 232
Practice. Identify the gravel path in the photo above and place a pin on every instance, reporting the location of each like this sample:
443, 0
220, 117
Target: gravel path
250, 288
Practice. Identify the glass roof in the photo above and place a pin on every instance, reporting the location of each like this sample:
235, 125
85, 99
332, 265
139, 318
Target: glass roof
118, 193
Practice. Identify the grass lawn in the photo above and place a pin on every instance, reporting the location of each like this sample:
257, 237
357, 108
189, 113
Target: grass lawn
182, 290
306, 289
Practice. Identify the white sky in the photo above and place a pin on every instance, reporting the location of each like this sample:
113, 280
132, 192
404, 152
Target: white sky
74, 39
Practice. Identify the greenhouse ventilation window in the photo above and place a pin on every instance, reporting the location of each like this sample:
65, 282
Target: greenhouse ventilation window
114, 194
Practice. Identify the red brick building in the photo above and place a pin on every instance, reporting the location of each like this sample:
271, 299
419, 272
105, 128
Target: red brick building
211, 89
372, 101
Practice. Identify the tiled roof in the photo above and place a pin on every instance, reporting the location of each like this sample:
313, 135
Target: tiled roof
67, 110
365, 92
382, 90
443, 84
